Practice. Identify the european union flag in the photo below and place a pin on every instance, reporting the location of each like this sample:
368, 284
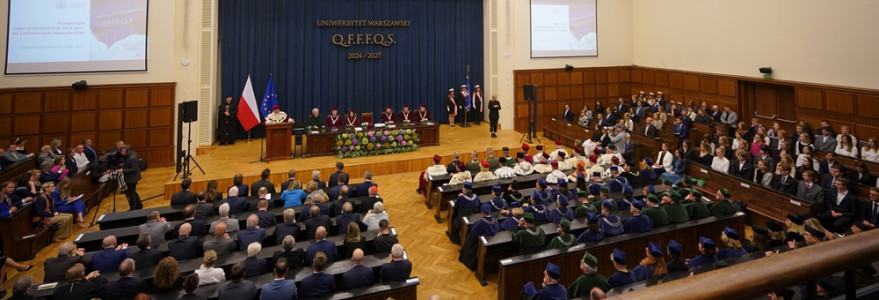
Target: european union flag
270, 98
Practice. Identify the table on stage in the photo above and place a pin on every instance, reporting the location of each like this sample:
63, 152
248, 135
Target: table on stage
322, 143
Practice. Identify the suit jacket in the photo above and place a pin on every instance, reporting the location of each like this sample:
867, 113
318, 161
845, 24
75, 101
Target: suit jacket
334, 179
90, 153
327, 247
568, 116
730, 118
312, 224
254, 266
203, 210
183, 198
824, 166
867, 213
80, 290
745, 171
285, 185
56, 267
848, 207
147, 257
650, 130
222, 246
789, 186
185, 247
236, 204
343, 220
396, 270
108, 260
317, 285
156, 230
825, 144
283, 289
282, 230
363, 188
295, 258
125, 288
266, 218
250, 235
336, 206
199, 227
131, 167
237, 290
357, 277
254, 188
815, 192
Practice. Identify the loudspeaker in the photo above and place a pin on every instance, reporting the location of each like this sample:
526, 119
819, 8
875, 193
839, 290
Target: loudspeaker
569, 68
190, 111
766, 70
80, 85
530, 92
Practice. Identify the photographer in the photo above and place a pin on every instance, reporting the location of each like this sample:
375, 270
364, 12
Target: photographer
128, 165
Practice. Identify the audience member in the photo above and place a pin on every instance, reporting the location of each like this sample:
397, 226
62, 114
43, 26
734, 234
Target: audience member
183, 197
358, 276
253, 233
68, 255
318, 284
263, 182
207, 272
384, 240
236, 203
78, 285
315, 221
127, 287
221, 242
107, 260
237, 288
146, 256
156, 227
295, 256
185, 246
397, 268
231, 224
280, 288
166, 277
288, 227
198, 227
321, 244
373, 216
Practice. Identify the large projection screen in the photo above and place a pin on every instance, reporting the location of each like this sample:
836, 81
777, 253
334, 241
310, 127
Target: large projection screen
564, 28
75, 36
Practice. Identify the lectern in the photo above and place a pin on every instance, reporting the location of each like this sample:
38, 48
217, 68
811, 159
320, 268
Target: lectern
278, 141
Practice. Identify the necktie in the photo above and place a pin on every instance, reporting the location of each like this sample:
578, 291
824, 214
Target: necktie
783, 180
875, 210
808, 186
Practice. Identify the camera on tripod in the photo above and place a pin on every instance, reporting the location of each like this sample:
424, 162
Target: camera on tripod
120, 181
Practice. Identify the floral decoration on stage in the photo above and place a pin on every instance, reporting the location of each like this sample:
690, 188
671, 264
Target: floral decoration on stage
376, 142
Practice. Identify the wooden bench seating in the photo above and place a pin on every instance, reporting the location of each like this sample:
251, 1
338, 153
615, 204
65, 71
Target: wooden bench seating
21, 240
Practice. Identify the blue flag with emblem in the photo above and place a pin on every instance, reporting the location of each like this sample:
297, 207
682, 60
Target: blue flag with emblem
269, 99
467, 95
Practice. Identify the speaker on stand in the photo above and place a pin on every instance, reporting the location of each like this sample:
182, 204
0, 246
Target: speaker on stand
530, 92
187, 113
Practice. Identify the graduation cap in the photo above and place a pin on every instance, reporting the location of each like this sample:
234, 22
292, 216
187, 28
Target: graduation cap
563, 181
675, 196
505, 149
654, 249
648, 161
667, 182
405, 106
615, 160
605, 189
638, 204
542, 182
618, 256
606, 204
553, 271
502, 160
485, 208
437, 158
451, 90
461, 165
558, 142
520, 155
529, 217
707, 243
562, 200
593, 158
525, 147
581, 178
596, 174
652, 198
596, 150
795, 219
614, 169
335, 109
793, 236
724, 192
684, 193
565, 224
578, 149
592, 217
515, 204
687, 179
495, 188
612, 146
420, 105
815, 232
696, 193
468, 185
774, 226
760, 230
562, 155
276, 106
539, 147
651, 189
627, 191
554, 164
388, 107
675, 248
731, 233
590, 260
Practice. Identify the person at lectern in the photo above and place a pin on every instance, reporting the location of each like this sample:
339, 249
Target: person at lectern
477, 105
451, 107
422, 115
406, 115
226, 112
314, 119
388, 116
351, 119
334, 120
278, 116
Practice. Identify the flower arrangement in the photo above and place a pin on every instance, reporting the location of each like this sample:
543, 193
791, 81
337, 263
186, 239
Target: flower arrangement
376, 142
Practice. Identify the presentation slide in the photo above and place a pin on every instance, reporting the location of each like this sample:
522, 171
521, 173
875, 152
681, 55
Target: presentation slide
72, 36
563, 28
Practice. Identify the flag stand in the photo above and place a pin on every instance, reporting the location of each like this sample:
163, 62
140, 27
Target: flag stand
261, 157
248, 136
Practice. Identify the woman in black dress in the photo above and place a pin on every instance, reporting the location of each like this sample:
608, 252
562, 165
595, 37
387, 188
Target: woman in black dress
494, 107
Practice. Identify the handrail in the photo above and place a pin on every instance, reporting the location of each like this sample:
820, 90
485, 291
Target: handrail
766, 117
768, 274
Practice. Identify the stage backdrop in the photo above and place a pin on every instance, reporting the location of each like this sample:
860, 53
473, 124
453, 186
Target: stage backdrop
361, 55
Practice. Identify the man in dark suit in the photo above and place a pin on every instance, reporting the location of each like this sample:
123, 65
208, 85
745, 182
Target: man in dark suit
622, 108
629, 148
321, 245
146, 256
809, 188
266, 218
334, 178
183, 197
367, 203
649, 129
221, 243
318, 284
78, 285
252, 234
568, 115
254, 265
68, 256
236, 204
288, 227
129, 164
842, 207
336, 189
279, 288
346, 216
740, 167
870, 210
185, 246
785, 183
295, 256
190, 284
681, 130
108, 260
237, 288
291, 176
358, 276
203, 209
315, 176
715, 113
397, 268
338, 196
127, 287
198, 227
828, 162
263, 182
89, 151
384, 241
315, 221
363, 188
829, 182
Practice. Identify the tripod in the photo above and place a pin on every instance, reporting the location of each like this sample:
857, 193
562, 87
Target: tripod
115, 190
532, 126
188, 158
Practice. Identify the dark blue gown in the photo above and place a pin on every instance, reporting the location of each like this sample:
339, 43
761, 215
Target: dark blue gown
611, 225
637, 224
619, 279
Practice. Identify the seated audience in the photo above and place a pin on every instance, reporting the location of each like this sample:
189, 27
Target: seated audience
127, 287
107, 260
397, 268
253, 233
166, 277
321, 244
68, 255
358, 276
254, 265
384, 240
146, 256
185, 246
78, 285
184, 196
237, 288
318, 284
231, 224
295, 256
156, 227
280, 288
207, 272
221, 242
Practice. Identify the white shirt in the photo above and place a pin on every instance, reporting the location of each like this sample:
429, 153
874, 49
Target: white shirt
850, 153
720, 164
371, 220
840, 196
666, 161
81, 161
210, 275
870, 155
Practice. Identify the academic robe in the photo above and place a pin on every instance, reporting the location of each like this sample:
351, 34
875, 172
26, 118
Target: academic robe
584, 284
618, 279
421, 116
529, 240
469, 253
334, 122
590, 236
465, 205
722, 208
549, 292
388, 117
406, 116
611, 225
562, 241
676, 213
657, 215
227, 124
638, 224
697, 210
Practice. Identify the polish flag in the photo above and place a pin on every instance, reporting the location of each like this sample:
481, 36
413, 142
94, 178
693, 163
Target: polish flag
247, 110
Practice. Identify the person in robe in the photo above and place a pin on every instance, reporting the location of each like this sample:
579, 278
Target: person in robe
406, 115
227, 121
477, 105
487, 226
278, 116
388, 116
565, 238
590, 278
422, 115
551, 287
622, 276
334, 120
314, 119
652, 266
351, 119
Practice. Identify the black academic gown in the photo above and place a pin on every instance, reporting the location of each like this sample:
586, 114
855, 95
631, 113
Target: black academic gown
227, 124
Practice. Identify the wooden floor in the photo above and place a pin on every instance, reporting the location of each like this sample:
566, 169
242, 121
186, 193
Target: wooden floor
434, 258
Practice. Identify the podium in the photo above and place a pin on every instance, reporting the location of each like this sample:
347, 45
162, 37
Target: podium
278, 141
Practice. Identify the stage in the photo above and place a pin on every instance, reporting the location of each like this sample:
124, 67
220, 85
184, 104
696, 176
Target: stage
220, 163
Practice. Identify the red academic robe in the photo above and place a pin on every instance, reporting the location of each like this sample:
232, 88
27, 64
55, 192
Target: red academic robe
334, 122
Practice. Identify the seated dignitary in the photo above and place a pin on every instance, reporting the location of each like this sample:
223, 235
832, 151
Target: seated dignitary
252, 234
316, 220
231, 224
146, 256
184, 196
318, 284
397, 268
288, 227
358, 276
638, 222
198, 227
185, 246
107, 260
551, 287
590, 278
295, 256
384, 240
207, 272
528, 238
237, 288
127, 287
652, 266
78, 285
565, 238
280, 288
254, 265
708, 249
321, 244
68, 255
220, 242
156, 227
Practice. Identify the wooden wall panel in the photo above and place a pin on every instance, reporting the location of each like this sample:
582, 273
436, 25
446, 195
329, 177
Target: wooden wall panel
676, 81
691, 82
807, 98
868, 106
726, 87
564, 78
708, 85
146, 111
840, 102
